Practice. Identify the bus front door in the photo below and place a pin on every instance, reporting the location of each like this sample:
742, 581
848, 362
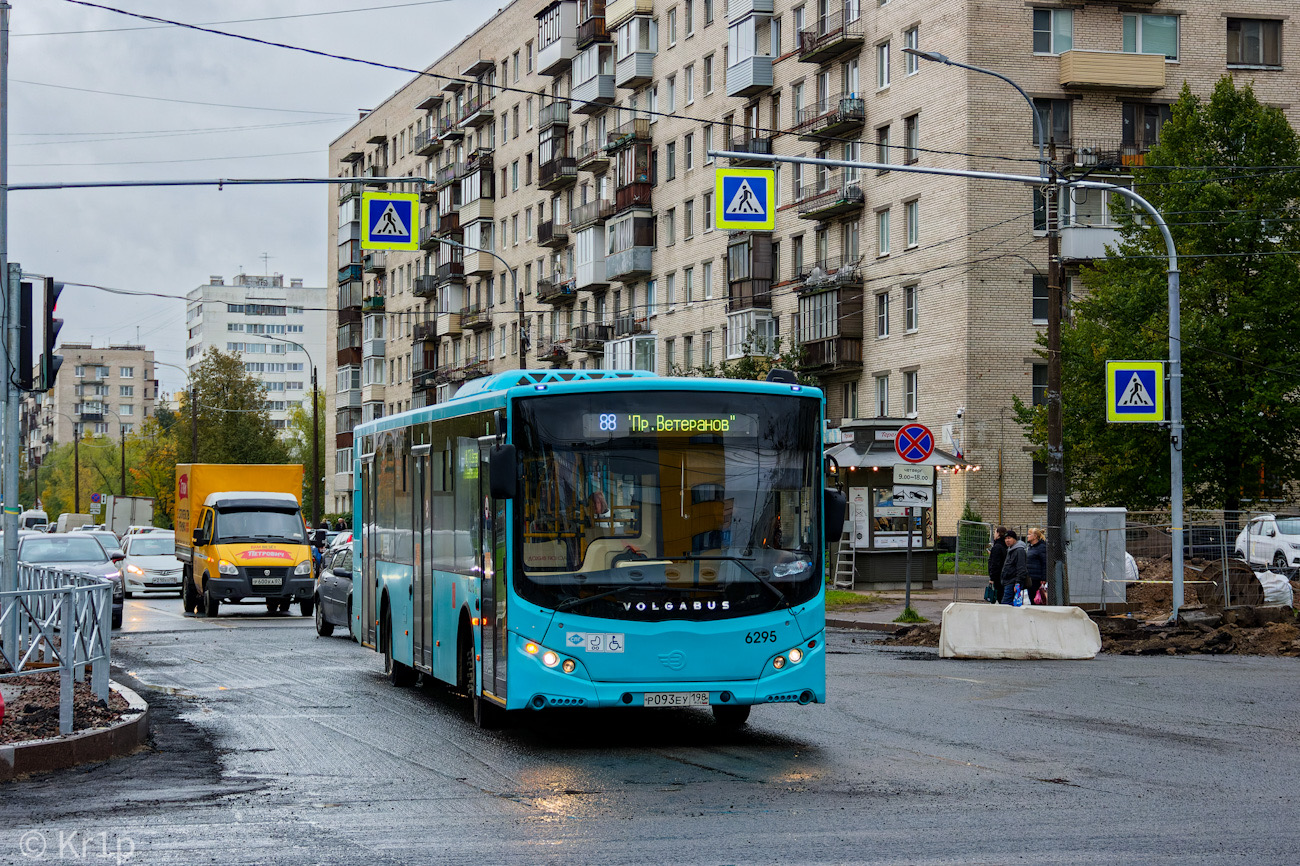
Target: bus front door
492, 517
366, 538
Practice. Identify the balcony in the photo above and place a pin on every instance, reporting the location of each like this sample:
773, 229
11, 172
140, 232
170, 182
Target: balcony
349, 399
448, 174
349, 356
448, 130
635, 70
558, 173
593, 95
554, 290
349, 273
553, 235
627, 326
832, 272
1112, 70
620, 10
479, 264
634, 195
449, 325
592, 337
832, 36
592, 213
481, 208
449, 223
591, 157
749, 143
374, 262
555, 58
425, 380
751, 76
350, 295
832, 118
477, 111
832, 355
425, 332
427, 143
555, 114
348, 190
477, 67
428, 237
752, 294
1082, 243
592, 29
738, 9
449, 274
373, 348
553, 351
375, 171
343, 482
629, 265
374, 302
833, 197
425, 287
343, 440
1108, 153
635, 130
476, 318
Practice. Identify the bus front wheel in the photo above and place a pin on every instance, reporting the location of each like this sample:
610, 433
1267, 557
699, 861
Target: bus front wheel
731, 716
398, 674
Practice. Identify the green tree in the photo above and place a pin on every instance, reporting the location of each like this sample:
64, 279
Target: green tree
1224, 178
233, 423
299, 444
759, 355
151, 468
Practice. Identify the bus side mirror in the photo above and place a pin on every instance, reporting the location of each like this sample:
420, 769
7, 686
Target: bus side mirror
503, 472
834, 506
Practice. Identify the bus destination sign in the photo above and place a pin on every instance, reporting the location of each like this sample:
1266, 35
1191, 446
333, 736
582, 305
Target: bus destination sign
612, 424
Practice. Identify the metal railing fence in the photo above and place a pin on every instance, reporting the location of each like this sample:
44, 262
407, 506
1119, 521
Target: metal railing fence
58, 621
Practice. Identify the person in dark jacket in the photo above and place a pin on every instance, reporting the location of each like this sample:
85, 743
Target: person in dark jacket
997, 557
1015, 571
1036, 557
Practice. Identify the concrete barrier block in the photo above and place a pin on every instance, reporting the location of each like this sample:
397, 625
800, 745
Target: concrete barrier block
999, 631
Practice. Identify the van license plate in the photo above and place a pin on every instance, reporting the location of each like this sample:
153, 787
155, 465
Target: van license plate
676, 699
266, 581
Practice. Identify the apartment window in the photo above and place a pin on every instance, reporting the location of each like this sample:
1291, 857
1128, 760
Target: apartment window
671, 94
651, 298
796, 255
670, 227
911, 315
1254, 42
1053, 31
126, 409
688, 218
670, 154
1039, 309
912, 138
670, 355
1040, 479
708, 145
529, 48
882, 145
514, 176
910, 399
1142, 123
849, 242
528, 111
912, 39
1040, 385
882, 66
1040, 210
1151, 34
688, 151
670, 290
514, 113
882, 314
882, 232
707, 351
688, 284
688, 351
708, 12
126, 372
707, 269
672, 27
882, 396
774, 32
707, 72
706, 211
126, 390
912, 219
850, 399
1055, 115
516, 65
688, 81
688, 10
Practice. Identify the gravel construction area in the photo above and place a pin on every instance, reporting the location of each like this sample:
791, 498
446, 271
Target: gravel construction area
32, 708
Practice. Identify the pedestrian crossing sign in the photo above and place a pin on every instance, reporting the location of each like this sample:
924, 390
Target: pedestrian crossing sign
745, 199
1135, 391
390, 221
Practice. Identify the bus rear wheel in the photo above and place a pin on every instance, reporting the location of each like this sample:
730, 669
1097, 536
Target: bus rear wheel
731, 716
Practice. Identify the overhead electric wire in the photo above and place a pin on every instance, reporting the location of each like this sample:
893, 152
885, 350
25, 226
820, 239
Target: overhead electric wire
161, 161
177, 101
140, 136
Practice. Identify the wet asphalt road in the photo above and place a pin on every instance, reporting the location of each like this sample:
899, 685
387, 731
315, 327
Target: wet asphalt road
274, 746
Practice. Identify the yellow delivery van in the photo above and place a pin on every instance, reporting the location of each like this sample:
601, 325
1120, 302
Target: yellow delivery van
240, 534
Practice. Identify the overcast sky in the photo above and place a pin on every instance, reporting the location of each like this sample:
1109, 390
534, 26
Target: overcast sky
69, 67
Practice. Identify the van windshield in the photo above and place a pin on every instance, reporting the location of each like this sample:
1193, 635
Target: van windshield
253, 525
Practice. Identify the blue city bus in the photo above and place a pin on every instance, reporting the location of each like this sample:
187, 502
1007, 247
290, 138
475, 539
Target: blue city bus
588, 538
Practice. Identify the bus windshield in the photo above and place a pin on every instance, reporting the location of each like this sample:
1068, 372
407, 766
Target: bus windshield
669, 505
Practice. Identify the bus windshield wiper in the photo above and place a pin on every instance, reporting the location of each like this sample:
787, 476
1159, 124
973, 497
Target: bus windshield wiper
742, 562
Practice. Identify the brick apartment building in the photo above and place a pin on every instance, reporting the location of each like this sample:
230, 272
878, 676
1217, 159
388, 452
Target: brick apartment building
570, 138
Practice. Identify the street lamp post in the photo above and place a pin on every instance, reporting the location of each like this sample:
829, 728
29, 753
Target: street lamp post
514, 287
315, 430
194, 413
1055, 306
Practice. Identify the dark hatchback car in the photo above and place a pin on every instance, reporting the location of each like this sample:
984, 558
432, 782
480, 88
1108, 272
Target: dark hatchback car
334, 591
80, 553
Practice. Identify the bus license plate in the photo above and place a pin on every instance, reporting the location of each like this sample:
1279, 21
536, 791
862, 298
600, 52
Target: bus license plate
676, 699
266, 581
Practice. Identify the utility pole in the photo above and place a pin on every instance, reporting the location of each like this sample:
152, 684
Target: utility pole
315, 453
1055, 434
194, 420
9, 334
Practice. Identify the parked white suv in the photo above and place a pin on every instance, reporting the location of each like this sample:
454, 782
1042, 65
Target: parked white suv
1271, 540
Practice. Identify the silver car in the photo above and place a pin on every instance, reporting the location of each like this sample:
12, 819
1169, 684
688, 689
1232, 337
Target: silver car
77, 552
151, 564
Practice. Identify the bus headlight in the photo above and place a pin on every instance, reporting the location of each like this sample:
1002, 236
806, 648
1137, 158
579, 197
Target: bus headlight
225, 567
304, 567
795, 655
550, 659
778, 662
569, 666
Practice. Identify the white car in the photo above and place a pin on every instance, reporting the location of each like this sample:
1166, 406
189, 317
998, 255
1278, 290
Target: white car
1271, 540
151, 564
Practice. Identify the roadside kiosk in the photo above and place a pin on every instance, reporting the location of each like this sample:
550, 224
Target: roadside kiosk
874, 544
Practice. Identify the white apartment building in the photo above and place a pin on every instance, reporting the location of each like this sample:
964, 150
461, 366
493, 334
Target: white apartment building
571, 138
278, 331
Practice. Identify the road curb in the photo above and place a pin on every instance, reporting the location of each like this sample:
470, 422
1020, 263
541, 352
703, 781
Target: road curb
81, 747
889, 627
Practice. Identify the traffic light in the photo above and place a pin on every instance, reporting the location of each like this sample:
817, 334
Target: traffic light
25, 325
50, 362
